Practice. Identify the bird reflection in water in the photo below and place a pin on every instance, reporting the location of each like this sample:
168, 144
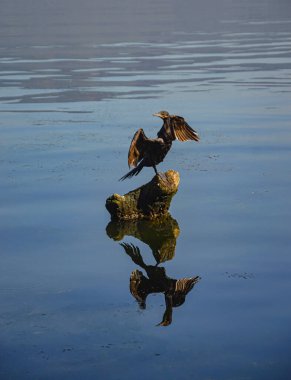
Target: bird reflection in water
161, 237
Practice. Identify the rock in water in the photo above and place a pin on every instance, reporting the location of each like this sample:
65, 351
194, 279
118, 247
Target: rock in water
149, 201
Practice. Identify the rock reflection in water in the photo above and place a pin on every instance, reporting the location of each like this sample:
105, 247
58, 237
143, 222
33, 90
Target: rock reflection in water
160, 236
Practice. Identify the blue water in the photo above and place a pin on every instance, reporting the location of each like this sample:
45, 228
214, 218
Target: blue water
77, 79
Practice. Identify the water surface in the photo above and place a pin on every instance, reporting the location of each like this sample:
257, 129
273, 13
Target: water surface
76, 81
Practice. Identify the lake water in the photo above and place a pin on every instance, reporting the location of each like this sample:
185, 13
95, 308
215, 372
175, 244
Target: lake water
77, 79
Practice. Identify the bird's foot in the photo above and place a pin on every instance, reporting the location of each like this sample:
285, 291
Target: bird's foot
163, 177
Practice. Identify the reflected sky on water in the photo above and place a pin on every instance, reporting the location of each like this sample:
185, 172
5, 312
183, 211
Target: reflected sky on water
77, 79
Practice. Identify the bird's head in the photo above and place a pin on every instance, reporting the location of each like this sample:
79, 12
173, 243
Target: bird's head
162, 114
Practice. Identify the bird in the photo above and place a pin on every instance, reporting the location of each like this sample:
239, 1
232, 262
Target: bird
157, 281
145, 152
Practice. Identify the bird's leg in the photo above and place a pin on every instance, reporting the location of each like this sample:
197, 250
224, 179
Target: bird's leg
155, 169
161, 175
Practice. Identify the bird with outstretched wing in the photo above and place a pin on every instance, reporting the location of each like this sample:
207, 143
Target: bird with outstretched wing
150, 152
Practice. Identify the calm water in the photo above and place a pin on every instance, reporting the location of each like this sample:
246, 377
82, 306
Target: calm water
77, 78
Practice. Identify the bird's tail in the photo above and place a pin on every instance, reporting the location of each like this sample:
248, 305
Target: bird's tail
133, 172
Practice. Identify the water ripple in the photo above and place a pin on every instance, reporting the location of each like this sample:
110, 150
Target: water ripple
53, 74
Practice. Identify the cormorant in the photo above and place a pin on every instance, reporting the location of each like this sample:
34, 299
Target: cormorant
150, 152
175, 291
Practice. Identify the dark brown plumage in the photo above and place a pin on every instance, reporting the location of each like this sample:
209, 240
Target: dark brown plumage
150, 152
157, 281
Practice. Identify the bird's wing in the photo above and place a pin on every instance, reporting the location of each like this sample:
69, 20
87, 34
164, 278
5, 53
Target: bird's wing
134, 252
136, 149
182, 130
184, 285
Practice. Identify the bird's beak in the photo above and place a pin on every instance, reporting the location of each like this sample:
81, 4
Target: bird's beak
157, 114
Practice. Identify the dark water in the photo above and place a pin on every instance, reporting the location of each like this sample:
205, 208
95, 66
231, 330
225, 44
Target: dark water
77, 79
